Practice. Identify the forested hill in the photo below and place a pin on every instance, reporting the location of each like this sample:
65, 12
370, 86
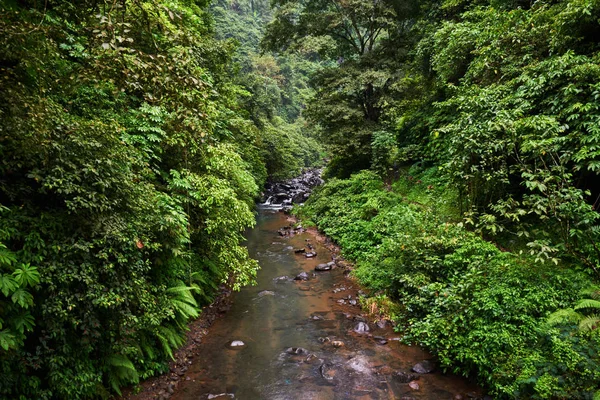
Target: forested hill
464, 177
131, 154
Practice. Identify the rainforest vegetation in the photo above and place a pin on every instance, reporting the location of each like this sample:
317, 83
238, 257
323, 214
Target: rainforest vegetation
463, 139
134, 139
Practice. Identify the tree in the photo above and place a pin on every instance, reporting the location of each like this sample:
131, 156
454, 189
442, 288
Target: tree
364, 43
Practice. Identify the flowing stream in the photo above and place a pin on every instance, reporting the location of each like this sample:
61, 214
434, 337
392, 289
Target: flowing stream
299, 339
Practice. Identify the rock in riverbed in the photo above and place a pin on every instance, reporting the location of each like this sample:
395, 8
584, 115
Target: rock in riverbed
424, 367
323, 267
302, 276
362, 328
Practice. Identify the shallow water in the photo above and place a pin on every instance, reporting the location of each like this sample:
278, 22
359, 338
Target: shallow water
307, 315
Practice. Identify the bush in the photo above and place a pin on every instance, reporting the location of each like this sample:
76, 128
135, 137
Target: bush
481, 310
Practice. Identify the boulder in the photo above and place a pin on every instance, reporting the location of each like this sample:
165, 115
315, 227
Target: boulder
302, 276
424, 367
361, 328
323, 267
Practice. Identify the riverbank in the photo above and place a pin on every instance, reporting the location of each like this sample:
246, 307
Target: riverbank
481, 309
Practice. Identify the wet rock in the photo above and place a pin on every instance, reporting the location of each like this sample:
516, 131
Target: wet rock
414, 385
296, 351
221, 396
359, 364
341, 301
362, 328
331, 264
282, 278
311, 254
353, 302
302, 276
380, 340
328, 371
381, 323
266, 293
323, 267
405, 377
298, 251
337, 343
424, 367
237, 344
323, 339
311, 358
316, 317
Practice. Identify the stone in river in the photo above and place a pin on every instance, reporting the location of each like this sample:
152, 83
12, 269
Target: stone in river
266, 293
414, 385
327, 371
337, 343
323, 267
405, 377
362, 328
296, 350
237, 344
221, 396
297, 251
424, 367
302, 276
381, 323
310, 254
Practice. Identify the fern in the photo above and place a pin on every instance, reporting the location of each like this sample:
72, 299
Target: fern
169, 338
588, 303
183, 302
121, 371
590, 322
564, 316
592, 292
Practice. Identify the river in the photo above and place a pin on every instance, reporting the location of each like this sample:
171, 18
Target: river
299, 340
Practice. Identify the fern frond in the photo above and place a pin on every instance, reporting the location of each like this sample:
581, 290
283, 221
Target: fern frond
567, 315
587, 303
591, 292
185, 309
590, 322
121, 371
169, 338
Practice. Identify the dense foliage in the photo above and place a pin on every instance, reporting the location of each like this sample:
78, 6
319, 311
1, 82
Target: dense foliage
277, 89
481, 310
129, 166
501, 99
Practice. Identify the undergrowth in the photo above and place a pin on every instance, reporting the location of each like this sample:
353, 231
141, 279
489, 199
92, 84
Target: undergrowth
483, 311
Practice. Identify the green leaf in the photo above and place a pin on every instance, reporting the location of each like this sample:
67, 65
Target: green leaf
27, 275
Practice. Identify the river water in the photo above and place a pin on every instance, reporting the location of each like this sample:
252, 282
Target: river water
333, 361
